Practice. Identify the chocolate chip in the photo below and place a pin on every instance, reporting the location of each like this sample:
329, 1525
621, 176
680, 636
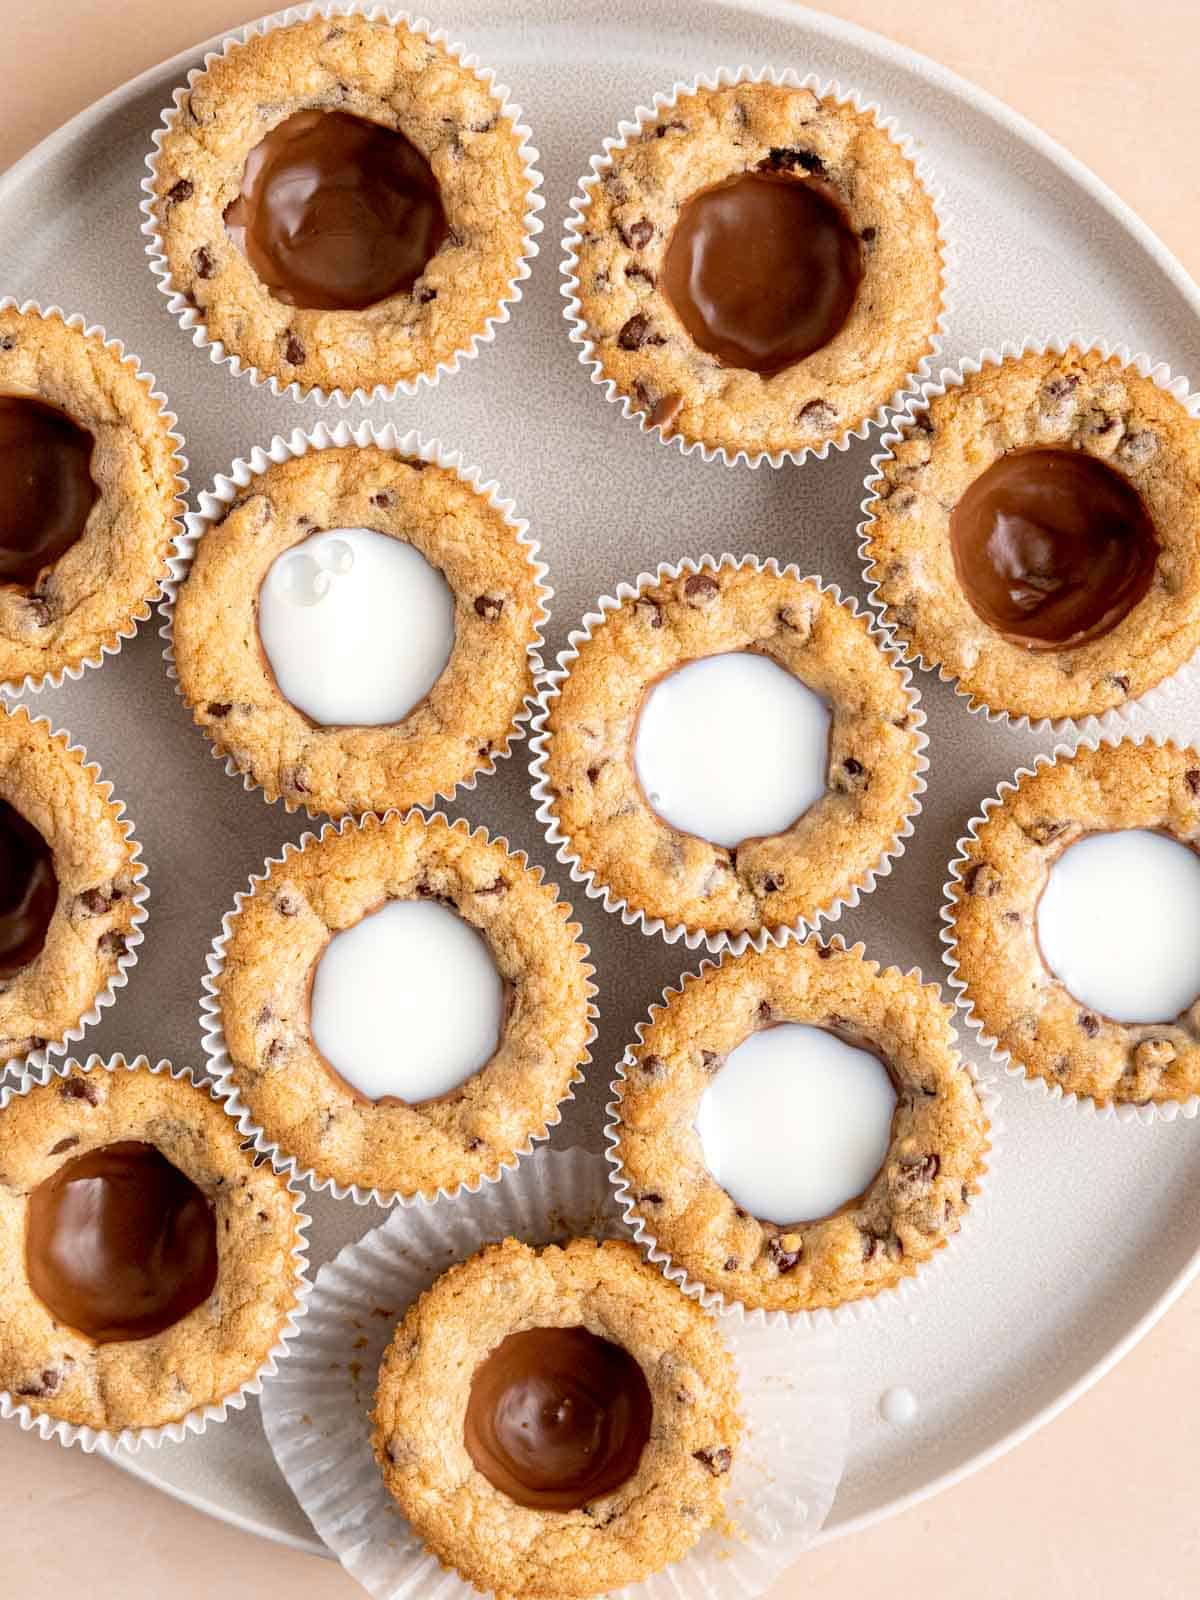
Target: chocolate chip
652, 1067
68, 1143
93, 903
46, 1383
500, 886
701, 589
39, 611
772, 883
425, 295
650, 611
852, 767
648, 1198
780, 159
1135, 449
643, 273
793, 620
294, 352
818, 414
664, 128
219, 708
1192, 778
764, 1012
474, 1144
981, 879
923, 421
287, 904
275, 1051
295, 780
718, 1458
709, 1060
824, 951
1119, 681
203, 263
80, 1089
383, 497
1045, 831
637, 333
594, 772
7, 342
113, 943
781, 1257
1059, 388
920, 1171
1089, 1023
489, 607
183, 190
868, 235
1012, 916
638, 234
732, 1264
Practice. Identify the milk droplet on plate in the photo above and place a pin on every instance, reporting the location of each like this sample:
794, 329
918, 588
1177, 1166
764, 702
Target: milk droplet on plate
1119, 924
732, 747
898, 1405
407, 1003
796, 1123
357, 627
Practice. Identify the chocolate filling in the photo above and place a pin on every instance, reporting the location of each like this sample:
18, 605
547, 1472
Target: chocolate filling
28, 891
46, 487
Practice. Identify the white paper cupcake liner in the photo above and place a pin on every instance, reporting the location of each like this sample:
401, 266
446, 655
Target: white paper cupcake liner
191, 318
544, 796
317, 1413
630, 130
104, 1439
32, 684
215, 502
1118, 1111
38, 1059
899, 1296
1156, 698
221, 1066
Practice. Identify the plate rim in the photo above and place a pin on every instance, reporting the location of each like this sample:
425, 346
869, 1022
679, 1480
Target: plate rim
981, 101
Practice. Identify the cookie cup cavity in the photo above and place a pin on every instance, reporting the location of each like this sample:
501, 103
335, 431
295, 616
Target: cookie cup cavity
878, 1250
93, 935
318, 1413
95, 1110
807, 409
1035, 1029
470, 718
1123, 409
97, 592
408, 340
254, 1011
809, 629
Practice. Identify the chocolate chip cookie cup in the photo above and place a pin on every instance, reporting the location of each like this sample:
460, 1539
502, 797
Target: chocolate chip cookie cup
725, 748
75, 892
91, 495
354, 619
1079, 450
744, 1062
1069, 928
730, 351
154, 1274
416, 218
777, 1479
398, 1008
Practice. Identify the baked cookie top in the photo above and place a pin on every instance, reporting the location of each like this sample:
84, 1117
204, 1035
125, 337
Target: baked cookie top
914, 1205
1079, 402
82, 903
209, 1353
280, 930
425, 1388
382, 73
455, 731
629, 219
96, 589
637, 856
992, 915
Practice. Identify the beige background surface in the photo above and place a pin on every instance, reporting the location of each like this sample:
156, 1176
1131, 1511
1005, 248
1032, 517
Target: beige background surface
1100, 1506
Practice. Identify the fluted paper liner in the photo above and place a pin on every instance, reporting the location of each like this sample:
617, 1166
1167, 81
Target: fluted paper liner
191, 318
105, 1439
317, 1413
544, 795
1155, 699
628, 131
215, 502
220, 1065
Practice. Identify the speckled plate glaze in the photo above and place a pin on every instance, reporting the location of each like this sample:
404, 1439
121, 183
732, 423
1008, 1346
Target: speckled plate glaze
1091, 1230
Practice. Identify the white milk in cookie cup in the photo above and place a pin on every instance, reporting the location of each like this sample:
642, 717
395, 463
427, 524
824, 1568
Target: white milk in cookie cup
127, 960
215, 502
191, 319
630, 131
544, 794
221, 1067
32, 684
888, 1301
1161, 695
106, 1440
1114, 1110
317, 1413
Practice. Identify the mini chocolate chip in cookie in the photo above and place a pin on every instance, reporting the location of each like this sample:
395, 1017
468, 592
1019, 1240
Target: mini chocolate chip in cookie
489, 607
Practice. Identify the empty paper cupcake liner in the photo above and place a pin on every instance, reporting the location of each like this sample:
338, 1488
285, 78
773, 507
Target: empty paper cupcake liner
1155, 699
544, 795
38, 1059
629, 131
317, 1413
215, 502
1114, 1110
131, 1439
222, 1069
900, 1296
191, 318
112, 645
